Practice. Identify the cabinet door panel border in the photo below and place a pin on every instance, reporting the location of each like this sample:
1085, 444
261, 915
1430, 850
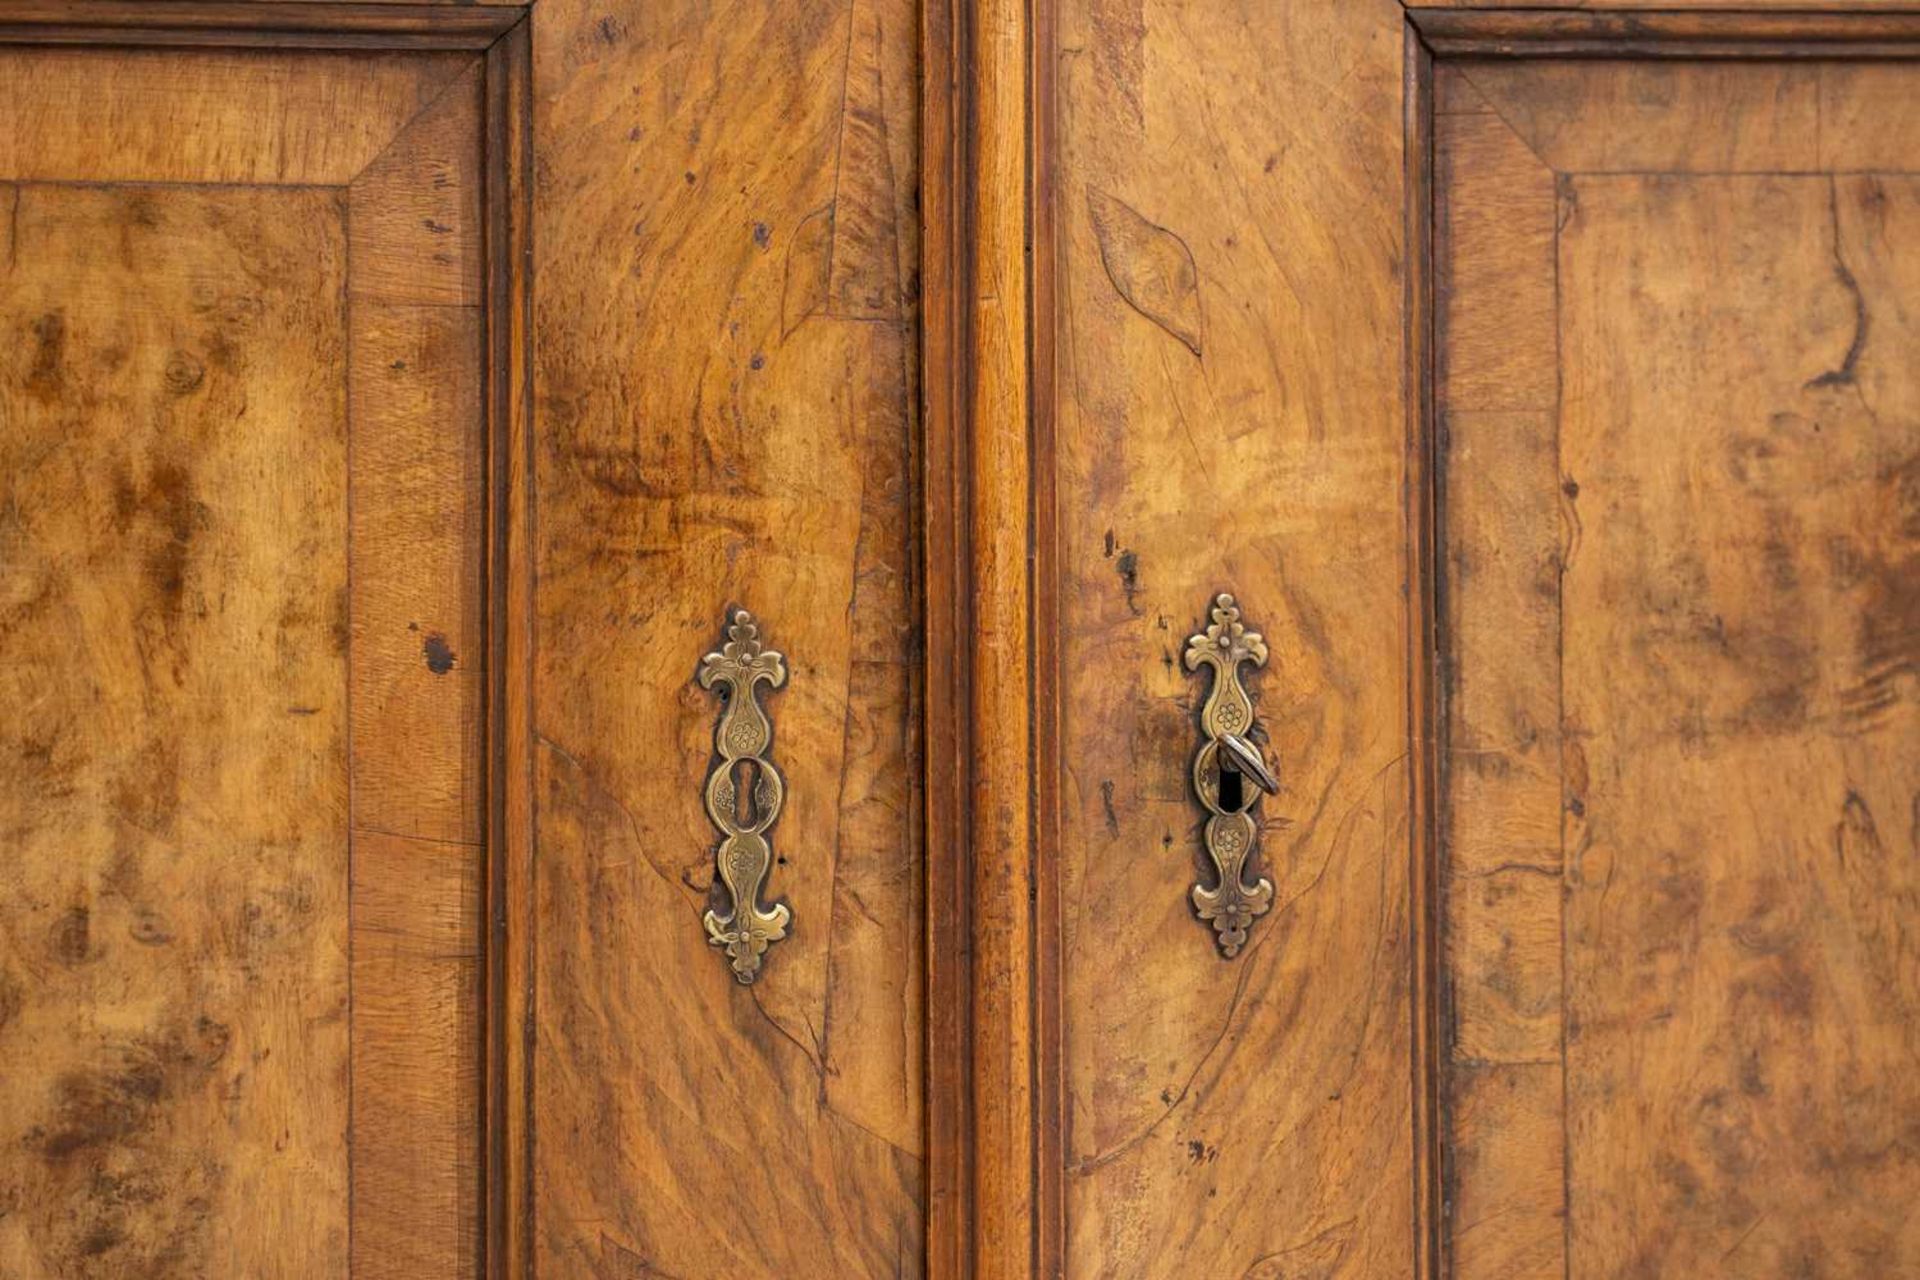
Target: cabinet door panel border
1600, 33
1436, 36
180, 23
499, 32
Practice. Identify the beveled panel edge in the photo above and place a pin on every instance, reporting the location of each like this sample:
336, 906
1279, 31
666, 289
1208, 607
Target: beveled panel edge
1718, 34
1424, 708
507, 1034
239, 23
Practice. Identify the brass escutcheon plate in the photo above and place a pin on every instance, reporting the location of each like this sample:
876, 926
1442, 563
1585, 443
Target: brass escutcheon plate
1228, 776
743, 773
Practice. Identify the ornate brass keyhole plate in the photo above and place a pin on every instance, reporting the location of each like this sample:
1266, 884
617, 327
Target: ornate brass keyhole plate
1228, 776
742, 739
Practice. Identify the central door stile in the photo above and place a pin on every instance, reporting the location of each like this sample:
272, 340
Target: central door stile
994, 1104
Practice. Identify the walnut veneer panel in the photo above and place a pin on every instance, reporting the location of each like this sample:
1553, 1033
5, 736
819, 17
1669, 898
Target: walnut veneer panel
1681, 744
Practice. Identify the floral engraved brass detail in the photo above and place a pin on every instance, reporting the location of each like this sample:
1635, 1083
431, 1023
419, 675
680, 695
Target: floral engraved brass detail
742, 740
1223, 768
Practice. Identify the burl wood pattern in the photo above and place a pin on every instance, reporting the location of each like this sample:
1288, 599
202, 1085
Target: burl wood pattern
240, 646
1230, 296
174, 995
725, 386
1683, 780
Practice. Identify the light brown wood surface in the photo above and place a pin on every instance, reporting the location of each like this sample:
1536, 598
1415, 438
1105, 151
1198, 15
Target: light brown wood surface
1676, 411
1014, 1086
725, 390
176, 782
356, 563
1229, 322
242, 776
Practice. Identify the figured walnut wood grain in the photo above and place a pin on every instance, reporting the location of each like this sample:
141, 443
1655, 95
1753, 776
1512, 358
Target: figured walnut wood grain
1229, 401
725, 411
1723, 488
1737, 117
157, 115
416, 376
247, 504
1497, 394
1740, 663
175, 786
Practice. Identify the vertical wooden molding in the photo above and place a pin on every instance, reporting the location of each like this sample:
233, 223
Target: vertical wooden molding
1423, 707
946, 272
1048, 1030
1001, 711
993, 1035
508, 903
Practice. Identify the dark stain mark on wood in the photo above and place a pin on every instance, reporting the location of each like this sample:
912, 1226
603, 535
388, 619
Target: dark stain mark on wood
183, 373
1862, 321
98, 1106
1106, 804
113, 1206
440, 657
1151, 267
45, 375
1128, 567
149, 928
173, 515
72, 935
1855, 837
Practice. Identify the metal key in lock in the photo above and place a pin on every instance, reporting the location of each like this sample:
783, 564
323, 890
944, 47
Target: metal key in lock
1222, 769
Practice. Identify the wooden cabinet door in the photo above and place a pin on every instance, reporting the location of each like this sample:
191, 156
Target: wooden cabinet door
1677, 470
1541, 386
248, 418
619, 620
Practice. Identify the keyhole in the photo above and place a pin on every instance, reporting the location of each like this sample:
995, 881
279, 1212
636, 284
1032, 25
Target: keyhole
1230, 784
746, 807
